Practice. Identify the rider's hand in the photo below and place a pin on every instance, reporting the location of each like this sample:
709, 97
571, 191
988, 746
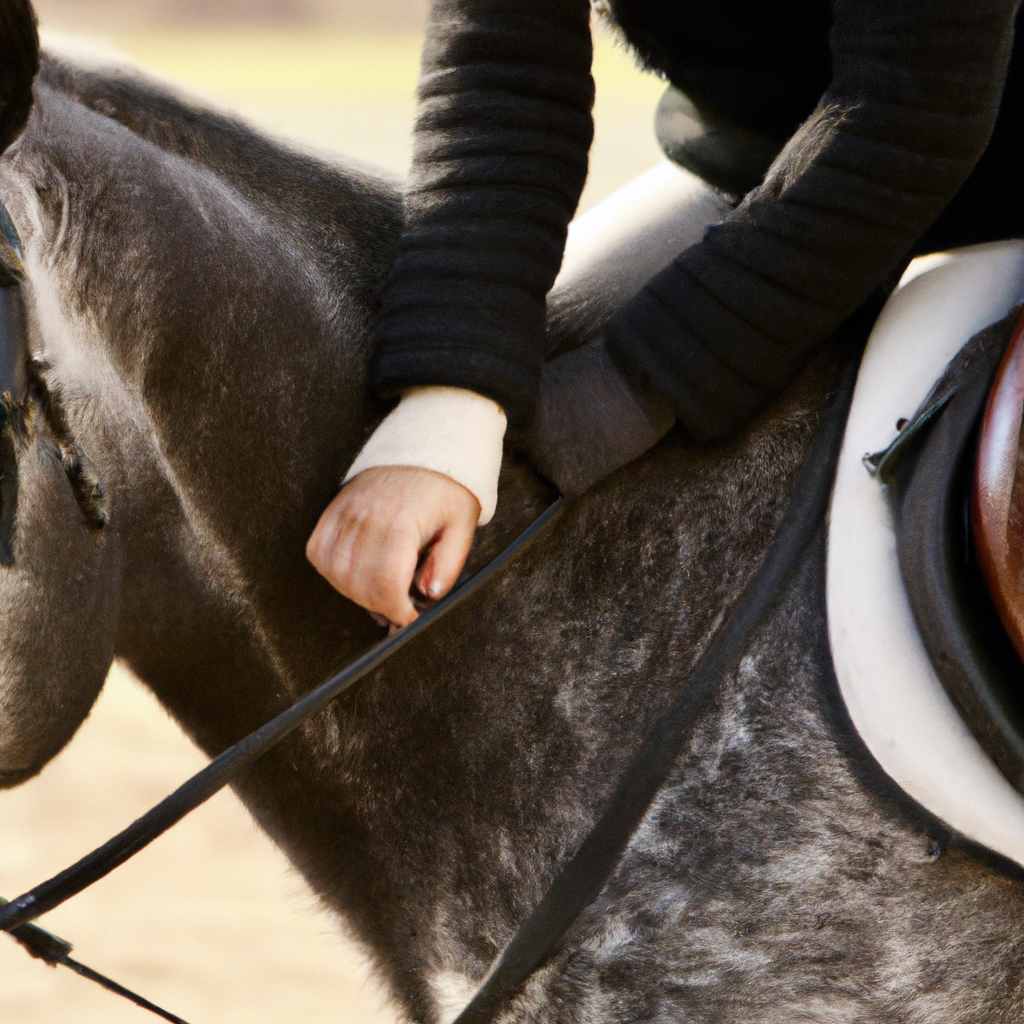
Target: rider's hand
370, 539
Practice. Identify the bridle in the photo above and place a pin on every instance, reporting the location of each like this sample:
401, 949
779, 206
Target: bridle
586, 874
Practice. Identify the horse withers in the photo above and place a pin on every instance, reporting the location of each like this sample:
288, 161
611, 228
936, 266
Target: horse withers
198, 304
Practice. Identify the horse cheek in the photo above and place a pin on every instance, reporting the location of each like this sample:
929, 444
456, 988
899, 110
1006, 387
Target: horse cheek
59, 602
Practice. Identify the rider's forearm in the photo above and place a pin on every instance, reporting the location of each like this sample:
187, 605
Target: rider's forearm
451, 431
914, 96
501, 146
915, 92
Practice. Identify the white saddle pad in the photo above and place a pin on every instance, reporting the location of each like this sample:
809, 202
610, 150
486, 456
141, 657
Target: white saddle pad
893, 695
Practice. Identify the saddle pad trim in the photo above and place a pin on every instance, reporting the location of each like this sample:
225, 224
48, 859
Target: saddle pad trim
894, 698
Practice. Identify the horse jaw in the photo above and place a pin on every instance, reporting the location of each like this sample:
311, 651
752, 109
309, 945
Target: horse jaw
59, 599
58, 614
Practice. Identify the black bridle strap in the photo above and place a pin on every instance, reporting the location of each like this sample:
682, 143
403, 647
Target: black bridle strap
42, 945
585, 876
221, 770
118, 990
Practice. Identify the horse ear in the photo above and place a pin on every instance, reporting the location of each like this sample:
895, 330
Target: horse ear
19, 64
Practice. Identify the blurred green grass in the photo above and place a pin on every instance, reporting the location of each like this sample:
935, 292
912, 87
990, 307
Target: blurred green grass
354, 94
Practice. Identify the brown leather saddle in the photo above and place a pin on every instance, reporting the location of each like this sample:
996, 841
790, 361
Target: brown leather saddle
997, 500
958, 497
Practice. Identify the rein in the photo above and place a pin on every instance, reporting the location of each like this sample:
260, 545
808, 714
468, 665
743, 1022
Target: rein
16, 915
44, 946
585, 876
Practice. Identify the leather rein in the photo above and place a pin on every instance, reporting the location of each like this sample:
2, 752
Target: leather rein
16, 915
585, 876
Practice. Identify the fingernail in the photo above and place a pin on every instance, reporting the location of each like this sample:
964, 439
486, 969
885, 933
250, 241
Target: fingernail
434, 589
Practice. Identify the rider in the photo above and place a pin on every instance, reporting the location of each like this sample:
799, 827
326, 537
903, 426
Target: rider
855, 130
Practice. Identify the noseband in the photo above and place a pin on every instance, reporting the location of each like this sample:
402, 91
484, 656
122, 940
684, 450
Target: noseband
21, 376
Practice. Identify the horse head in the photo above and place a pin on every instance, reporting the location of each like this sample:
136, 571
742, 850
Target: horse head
197, 305
59, 563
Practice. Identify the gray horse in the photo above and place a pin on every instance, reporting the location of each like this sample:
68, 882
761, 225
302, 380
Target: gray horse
198, 302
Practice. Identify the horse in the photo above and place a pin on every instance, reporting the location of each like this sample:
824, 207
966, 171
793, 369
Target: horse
199, 302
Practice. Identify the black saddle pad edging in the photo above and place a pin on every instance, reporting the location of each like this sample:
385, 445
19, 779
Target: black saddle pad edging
962, 633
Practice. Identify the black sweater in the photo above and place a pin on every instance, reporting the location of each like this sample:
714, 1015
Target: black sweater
887, 106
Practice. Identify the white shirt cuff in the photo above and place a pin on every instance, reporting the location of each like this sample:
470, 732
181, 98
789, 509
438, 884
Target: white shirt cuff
449, 430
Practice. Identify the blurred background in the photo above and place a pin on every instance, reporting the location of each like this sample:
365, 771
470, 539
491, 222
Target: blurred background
210, 921
335, 75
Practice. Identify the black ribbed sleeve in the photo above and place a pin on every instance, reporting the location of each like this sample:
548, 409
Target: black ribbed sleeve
914, 96
502, 136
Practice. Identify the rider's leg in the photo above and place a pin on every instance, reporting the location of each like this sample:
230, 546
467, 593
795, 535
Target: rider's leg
589, 421
627, 238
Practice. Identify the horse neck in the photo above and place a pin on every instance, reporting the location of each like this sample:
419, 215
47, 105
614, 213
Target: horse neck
211, 357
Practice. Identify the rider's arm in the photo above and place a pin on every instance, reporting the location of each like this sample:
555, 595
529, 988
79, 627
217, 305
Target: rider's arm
502, 137
912, 101
914, 96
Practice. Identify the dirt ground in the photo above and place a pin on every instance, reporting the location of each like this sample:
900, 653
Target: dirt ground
209, 921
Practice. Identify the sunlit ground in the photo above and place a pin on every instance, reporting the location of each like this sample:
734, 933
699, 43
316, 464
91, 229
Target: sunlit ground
209, 920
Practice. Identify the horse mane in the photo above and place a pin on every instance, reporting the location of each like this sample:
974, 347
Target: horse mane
343, 207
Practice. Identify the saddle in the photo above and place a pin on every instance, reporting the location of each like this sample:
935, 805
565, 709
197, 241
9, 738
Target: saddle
958, 497
997, 500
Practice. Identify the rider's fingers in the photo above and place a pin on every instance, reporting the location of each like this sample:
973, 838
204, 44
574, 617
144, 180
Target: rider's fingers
383, 578
330, 548
321, 544
450, 548
368, 559
444, 563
